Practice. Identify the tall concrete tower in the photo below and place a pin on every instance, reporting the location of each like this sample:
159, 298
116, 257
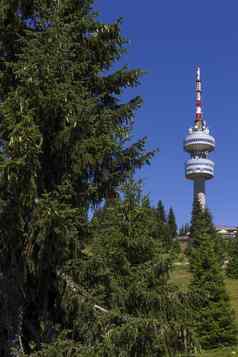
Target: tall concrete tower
199, 143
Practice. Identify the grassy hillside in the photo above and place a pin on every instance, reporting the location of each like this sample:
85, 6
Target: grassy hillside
222, 352
181, 278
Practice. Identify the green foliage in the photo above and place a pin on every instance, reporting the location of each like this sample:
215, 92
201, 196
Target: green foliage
182, 277
161, 231
62, 347
161, 212
172, 223
68, 285
165, 230
64, 148
185, 228
172, 233
232, 265
214, 317
128, 273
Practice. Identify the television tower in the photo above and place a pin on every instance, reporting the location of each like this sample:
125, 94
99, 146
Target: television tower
199, 143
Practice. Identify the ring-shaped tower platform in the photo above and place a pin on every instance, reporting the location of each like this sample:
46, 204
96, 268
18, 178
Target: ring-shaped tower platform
199, 143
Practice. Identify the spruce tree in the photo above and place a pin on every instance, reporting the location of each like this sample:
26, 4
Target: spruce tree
174, 246
171, 221
184, 229
166, 230
187, 228
232, 265
64, 148
161, 229
121, 301
214, 317
161, 212
181, 230
129, 275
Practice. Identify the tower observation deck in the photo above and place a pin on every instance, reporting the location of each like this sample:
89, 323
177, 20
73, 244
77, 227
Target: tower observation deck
199, 143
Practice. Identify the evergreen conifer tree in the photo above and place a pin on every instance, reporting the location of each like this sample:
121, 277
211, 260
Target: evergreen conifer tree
214, 317
181, 230
161, 212
172, 223
232, 265
161, 229
166, 230
64, 148
186, 228
172, 232
129, 274
123, 290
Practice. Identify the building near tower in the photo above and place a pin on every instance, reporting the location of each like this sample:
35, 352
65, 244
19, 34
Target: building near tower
199, 143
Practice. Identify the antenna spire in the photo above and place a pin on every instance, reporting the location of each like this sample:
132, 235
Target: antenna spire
198, 116
199, 143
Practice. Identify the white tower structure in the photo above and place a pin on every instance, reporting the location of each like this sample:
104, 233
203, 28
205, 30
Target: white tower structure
199, 143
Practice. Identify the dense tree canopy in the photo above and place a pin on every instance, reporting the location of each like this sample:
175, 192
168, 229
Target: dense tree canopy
122, 302
172, 225
212, 311
64, 134
232, 265
68, 284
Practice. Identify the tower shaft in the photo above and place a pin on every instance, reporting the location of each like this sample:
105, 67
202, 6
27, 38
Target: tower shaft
199, 192
199, 143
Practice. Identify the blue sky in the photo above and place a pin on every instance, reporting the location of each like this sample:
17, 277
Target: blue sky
167, 39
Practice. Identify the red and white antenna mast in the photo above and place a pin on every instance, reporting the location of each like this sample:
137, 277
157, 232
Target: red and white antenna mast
198, 116
199, 143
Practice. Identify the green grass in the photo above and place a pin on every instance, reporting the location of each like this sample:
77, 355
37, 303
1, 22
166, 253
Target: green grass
232, 288
181, 277
222, 352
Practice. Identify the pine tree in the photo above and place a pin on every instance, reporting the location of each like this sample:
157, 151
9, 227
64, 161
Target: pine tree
172, 232
214, 317
186, 228
129, 274
161, 231
172, 223
166, 230
130, 307
181, 230
64, 135
232, 265
161, 212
